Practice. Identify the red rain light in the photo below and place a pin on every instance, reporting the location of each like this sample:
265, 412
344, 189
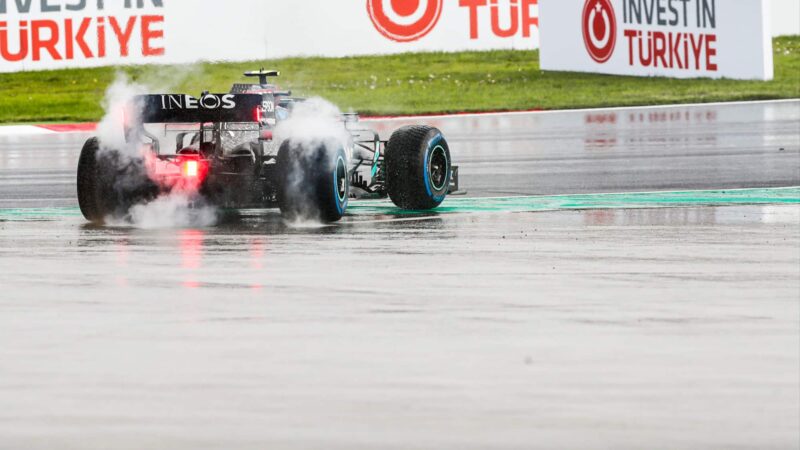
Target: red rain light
191, 168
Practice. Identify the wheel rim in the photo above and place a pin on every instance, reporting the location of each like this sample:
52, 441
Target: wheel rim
340, 178
437, 168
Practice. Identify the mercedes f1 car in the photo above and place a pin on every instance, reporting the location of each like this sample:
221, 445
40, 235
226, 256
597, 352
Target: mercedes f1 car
222, 149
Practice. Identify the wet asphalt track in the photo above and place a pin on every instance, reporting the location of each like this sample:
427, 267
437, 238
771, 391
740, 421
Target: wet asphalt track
589, 328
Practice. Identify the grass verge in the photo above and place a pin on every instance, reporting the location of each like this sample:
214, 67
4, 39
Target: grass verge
412, 83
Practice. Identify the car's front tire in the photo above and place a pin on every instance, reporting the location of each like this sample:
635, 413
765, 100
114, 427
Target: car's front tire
418, 167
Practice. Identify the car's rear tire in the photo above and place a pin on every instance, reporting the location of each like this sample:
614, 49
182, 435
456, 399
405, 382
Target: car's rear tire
418, 167
314, 182
109, 183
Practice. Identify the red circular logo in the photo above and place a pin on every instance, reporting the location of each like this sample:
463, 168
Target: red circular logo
404, 20
599, 29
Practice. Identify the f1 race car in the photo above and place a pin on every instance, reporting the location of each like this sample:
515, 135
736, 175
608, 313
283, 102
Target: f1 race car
222, 149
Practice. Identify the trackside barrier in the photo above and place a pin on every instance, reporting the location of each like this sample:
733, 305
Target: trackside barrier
672, 38
53, 34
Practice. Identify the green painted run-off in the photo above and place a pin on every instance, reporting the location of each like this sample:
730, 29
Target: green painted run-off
762, 196
789, 195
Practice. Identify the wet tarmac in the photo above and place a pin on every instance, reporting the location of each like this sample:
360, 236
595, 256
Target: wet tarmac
618, 150
660, 320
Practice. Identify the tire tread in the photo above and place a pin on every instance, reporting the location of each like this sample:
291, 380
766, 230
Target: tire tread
403, 158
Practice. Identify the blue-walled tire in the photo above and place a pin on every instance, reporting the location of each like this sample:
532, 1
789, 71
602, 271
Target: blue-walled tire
418, 167
314, 182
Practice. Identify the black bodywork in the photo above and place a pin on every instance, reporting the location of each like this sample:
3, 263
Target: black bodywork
232, 135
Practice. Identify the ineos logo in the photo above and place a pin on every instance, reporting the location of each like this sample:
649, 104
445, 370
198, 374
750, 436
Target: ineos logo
404, 20
209, 101
599, 29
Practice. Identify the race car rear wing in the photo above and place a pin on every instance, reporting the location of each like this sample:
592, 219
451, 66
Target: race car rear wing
181, 108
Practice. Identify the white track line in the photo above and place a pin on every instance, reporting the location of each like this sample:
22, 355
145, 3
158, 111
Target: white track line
23, 130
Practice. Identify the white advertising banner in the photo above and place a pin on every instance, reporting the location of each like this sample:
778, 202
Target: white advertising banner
785, 17
672, 38
51, 34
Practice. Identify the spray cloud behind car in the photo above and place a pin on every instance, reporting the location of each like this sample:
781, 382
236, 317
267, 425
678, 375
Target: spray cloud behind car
314, 126
175, 209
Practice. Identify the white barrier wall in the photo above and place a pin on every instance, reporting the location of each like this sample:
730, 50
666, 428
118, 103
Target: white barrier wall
673, 38
46, 34
785, 17
49, 34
